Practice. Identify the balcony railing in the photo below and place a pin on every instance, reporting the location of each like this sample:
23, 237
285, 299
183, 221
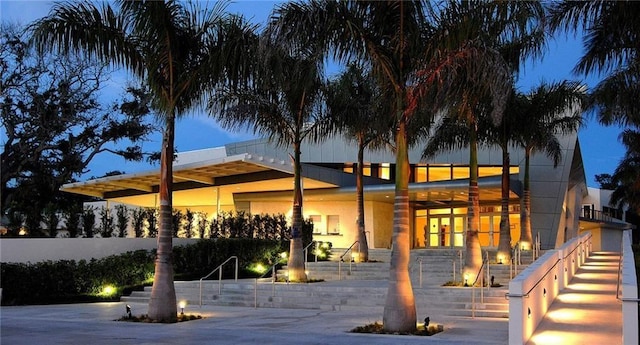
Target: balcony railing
599, 216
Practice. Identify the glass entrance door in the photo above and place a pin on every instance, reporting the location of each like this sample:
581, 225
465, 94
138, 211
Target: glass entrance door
440, 232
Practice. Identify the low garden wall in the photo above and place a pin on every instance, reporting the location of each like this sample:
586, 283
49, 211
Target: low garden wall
24, 250
532, 291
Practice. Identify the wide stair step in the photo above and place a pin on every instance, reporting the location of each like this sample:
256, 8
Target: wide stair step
363, 286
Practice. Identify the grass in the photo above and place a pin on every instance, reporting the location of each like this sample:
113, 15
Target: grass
377, 328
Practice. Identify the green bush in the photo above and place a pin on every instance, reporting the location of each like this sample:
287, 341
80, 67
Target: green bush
69, 280
83, 281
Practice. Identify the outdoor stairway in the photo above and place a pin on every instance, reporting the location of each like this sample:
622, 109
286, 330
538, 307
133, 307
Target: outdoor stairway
364, 286
346, 295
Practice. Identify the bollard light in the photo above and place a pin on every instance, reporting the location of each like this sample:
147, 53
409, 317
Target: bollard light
182, 305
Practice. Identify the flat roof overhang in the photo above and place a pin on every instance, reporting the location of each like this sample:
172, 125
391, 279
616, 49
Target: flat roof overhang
452, 193
204, 183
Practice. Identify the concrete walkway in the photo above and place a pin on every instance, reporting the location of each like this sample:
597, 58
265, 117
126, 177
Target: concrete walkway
587, 311
94, 324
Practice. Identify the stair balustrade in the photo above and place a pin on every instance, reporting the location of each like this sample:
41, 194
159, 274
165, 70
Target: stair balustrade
272, 269
349, 250
219, 269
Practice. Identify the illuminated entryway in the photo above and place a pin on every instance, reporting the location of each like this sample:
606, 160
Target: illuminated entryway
445, 227
440, 228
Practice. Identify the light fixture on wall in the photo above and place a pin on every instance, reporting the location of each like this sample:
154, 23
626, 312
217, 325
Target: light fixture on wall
544, 292
529, 313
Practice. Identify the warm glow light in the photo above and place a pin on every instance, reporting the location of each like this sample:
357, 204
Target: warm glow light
108, 290
549, 337
283, 255
182, 304
259, 268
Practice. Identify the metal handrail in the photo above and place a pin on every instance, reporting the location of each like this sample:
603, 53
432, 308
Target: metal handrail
306, 251
507, 295
273, 284
479, 272
219, 269
350, 261
419, 259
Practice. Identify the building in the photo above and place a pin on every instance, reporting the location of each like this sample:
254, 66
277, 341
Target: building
256, 176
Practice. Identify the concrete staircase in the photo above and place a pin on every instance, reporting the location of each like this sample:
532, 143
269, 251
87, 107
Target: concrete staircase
362, 286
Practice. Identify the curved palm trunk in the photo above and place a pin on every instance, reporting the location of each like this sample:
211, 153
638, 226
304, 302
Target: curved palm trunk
504, 245
400, 308
162, 305
363, 246
295, 264
526, 240
473, 257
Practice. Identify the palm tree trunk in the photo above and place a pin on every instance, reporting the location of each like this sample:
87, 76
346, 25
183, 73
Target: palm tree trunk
526, 240
504, 245
473, 257
295, 265
363, 246
162, 304
400, 309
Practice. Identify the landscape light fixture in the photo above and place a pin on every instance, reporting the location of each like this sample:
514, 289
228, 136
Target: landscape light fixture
128, 310
426, 322
182, 305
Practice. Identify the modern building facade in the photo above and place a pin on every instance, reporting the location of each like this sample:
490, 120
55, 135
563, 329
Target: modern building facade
257, 177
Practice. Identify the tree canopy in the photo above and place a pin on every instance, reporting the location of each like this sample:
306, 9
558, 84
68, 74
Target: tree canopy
56, 122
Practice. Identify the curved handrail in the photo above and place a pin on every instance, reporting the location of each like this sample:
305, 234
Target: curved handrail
306, 249
479, 272
219, 269
273, 283
350, 261
349, 249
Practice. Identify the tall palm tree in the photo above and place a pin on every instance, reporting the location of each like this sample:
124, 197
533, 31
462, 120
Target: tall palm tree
545, 112
450, 134
612, 50
284, 103
355, 103
389, 37
504, 33
180, 51
396, 38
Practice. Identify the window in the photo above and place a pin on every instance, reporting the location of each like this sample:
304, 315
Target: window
317, 223
333, 224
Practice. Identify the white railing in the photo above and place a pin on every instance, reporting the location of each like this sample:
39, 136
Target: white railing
219, 269
536, 287
627, 282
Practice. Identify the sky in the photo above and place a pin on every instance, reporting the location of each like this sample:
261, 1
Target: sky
601, 149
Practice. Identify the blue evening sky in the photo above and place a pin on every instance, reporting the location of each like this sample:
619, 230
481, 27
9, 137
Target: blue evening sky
601, 149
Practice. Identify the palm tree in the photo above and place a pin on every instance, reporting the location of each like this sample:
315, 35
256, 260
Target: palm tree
355, 104
283, 103
397, 39
388, 36
450, 134
545, 112
180, 51
504, 33
611, 30
625, 178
